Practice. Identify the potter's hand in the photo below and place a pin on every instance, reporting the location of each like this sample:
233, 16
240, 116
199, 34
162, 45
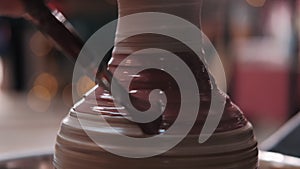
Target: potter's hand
12, 8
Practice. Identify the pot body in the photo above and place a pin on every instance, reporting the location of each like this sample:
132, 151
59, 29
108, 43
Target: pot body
231, 146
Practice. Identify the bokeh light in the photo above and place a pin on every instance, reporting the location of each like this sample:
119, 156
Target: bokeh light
39, 98
40, 45
44, 89
48, 81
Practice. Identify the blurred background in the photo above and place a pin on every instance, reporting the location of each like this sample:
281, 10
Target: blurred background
257, 40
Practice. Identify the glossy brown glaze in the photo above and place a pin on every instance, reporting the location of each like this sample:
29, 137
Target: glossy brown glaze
151, 79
